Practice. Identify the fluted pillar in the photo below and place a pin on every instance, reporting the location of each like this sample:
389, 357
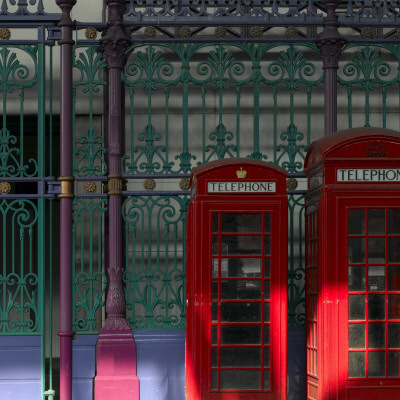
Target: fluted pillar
115, 351
66, 197
330, 43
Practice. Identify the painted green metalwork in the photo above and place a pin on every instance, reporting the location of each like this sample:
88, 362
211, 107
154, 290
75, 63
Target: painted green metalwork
155, 259
89, 282
89, 148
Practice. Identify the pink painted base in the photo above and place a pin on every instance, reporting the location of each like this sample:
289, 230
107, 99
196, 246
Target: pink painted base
116, 377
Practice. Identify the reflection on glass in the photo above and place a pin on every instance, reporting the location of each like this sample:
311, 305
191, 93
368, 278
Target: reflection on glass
394, 278
376, 363
376, 250
267, 222
266, 334
394, 336
214, 380
394, 221
267, 317
251, 267
356, 250
376, 278
215, 250
393, 363
394, 306
215, 267
233, 334
233, 222
267, 379
356, 364
356, 336
356, 279
215, 222
214, 357
267, 245
267, 267
357, 307
376, 221
240, 312
240, 289
394, 249
356, 222
376, 336
240, 357
241, 244
376, 306
266, 357
214, 312
214, 334
267, 290
240, 379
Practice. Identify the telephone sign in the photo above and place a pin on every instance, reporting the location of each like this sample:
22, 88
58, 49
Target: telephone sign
353, 266
236, 282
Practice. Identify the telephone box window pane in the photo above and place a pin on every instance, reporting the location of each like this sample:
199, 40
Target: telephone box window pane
356, 336
356, 250
214, 357
231, 334
376, 306
241, 244
267, 357
240, 312
215, 312
356, 364
394, 221
267, 317
214, 380
393, 363
214, 335
241, 222
240, 289
234, 267
394, 336
240, 357
266, 334
215, 268
394, 278
376, 363
267, 267
267, 290
376, 221
356, 307
240, 379
267, 223
356, 222
215, 222
215, 290
215, 249
394, 306
356, 279
251, 267
376, 250
267, 245
376, 278
266, 379
376, 336
394, 249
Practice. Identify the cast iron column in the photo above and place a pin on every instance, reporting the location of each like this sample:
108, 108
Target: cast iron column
330, 43
66, 198
116, 377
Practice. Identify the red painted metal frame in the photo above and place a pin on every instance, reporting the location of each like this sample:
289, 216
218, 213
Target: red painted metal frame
199, 279
330, 200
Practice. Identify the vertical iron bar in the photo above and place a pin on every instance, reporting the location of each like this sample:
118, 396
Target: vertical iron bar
66, 45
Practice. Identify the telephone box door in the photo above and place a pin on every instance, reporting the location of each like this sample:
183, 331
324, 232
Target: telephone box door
237, 295
370, 299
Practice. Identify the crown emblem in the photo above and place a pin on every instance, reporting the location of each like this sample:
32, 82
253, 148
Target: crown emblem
241, 173
376, 150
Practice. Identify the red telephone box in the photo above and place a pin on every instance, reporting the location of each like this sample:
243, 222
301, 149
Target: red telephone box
236, 282
353, 266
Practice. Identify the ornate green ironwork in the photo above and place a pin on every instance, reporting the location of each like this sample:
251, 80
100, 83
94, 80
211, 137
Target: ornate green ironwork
18, 72
20, 286
89, 282
155, 259
89, 149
